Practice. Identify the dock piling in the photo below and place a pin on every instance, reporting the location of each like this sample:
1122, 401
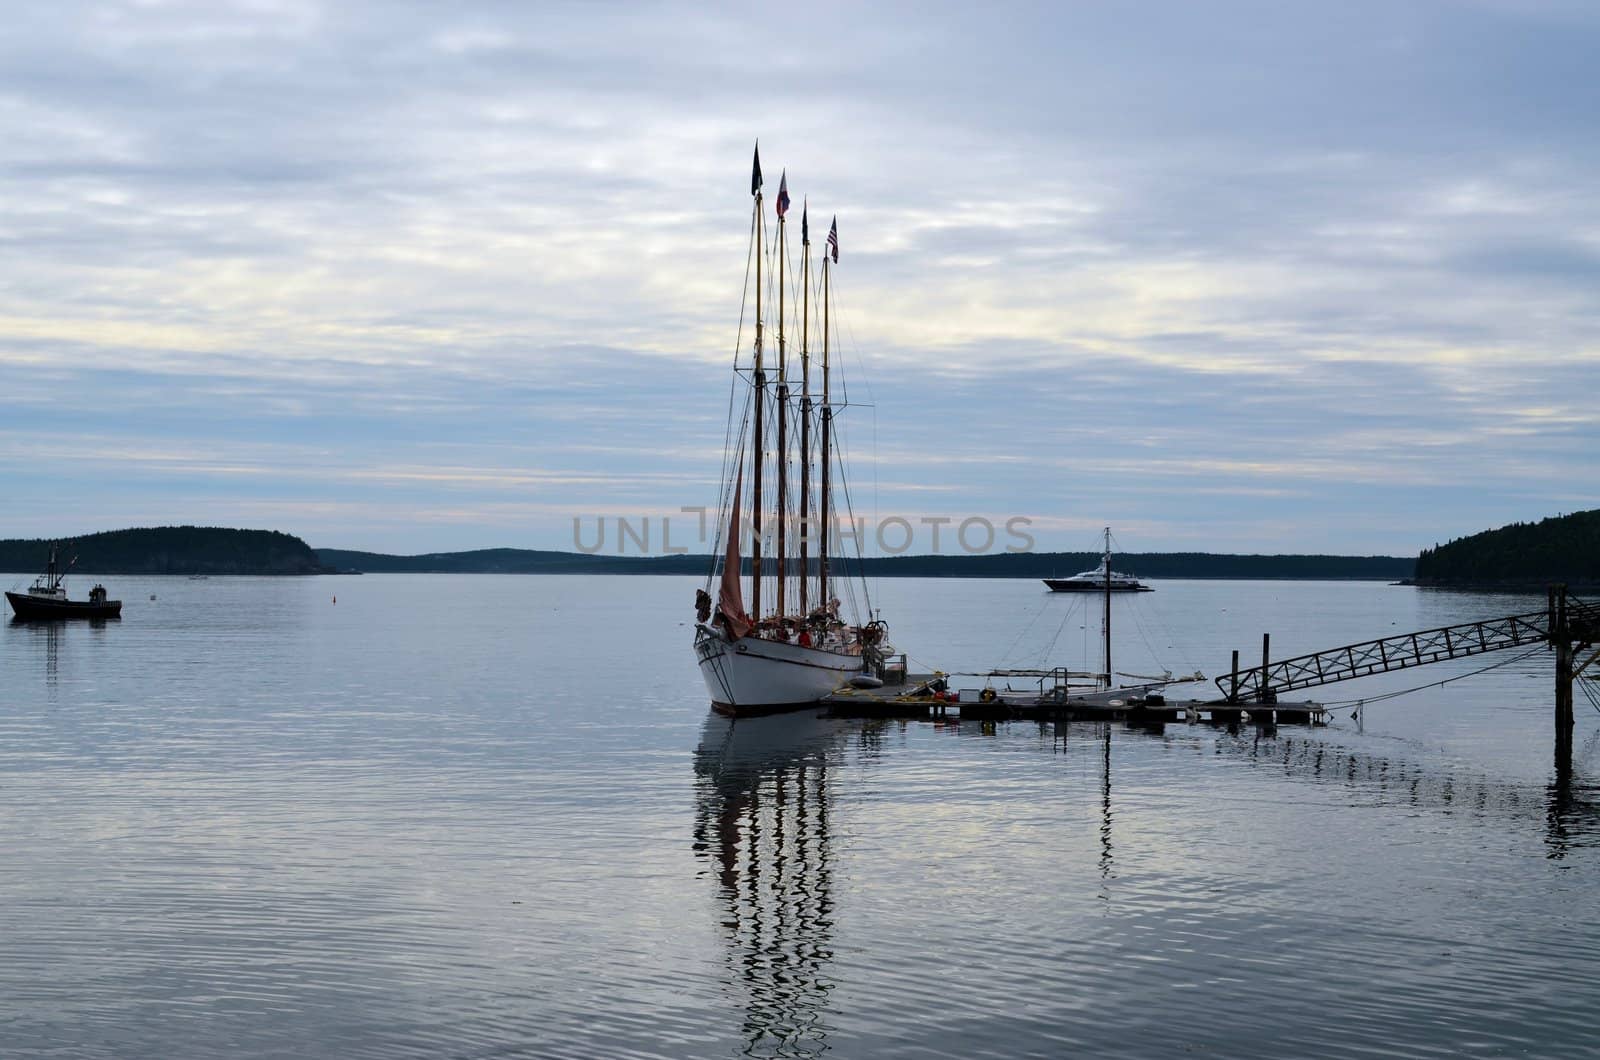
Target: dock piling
1561, 633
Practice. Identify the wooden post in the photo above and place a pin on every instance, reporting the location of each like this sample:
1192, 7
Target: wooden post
1550, 614
1563, 645
1266, 660
1233, 696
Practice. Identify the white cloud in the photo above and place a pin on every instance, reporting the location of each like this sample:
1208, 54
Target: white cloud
1267, 263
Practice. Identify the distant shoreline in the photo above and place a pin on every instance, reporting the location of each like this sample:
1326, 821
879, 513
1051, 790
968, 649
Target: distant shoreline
1513, 586
1036, 565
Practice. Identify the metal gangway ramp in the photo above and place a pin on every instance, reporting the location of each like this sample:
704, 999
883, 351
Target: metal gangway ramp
1405, 650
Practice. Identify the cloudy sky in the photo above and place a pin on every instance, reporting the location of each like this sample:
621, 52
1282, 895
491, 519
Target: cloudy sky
410, 277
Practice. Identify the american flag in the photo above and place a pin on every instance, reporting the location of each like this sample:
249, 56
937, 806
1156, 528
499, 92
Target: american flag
833, 240
783, 193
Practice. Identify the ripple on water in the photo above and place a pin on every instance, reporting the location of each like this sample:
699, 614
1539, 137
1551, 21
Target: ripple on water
262, 826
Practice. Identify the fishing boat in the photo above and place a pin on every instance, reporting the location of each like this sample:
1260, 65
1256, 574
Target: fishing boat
1100, 580
797, 641
46, 598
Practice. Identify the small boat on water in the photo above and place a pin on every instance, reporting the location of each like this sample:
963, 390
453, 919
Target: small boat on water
1100, 580
46, 598
795, 644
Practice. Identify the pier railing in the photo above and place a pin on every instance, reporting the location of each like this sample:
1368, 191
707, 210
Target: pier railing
1398, 652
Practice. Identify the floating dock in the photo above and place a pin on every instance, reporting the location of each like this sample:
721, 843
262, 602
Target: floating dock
925, 696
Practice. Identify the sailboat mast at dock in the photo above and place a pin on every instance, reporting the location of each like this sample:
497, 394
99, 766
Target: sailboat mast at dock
1106, 600
783, 404
758, 439
796, 650
805, 406
824, 459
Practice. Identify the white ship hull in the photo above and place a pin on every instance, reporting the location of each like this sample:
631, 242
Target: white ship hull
755, 676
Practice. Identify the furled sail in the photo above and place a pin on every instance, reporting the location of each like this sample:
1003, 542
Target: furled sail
730, 600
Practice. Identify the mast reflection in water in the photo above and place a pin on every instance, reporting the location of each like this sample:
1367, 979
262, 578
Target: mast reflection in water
762, 824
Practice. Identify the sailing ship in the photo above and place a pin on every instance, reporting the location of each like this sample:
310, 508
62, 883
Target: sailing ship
794, 645
1100, 580
46, 598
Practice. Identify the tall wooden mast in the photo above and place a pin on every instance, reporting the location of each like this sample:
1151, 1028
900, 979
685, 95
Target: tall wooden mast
805, 407
825, 459
759, 380
783, 402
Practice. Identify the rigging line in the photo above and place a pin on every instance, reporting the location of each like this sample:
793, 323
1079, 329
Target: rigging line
1133, 613
719, 558
1084, 653
1431, 684
1006, 655
725, 495
877, 514
1590, 694
733, 387
841, 327
860, 575
1173, 642
1044, 656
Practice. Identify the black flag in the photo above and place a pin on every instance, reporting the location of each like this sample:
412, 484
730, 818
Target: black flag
805, 229
755, 174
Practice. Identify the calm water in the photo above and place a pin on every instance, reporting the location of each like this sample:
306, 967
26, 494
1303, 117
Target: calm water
490, 817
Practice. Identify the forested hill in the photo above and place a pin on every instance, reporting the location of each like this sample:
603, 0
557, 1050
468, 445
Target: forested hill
1564, 548
170, 550
997, 565
218, 550
508, 561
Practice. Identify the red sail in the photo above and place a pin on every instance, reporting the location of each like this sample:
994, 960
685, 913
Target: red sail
730, 600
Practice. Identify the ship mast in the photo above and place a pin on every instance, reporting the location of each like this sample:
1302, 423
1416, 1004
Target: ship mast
825, 459
783, 400
805, 407
1106, 623
759, 380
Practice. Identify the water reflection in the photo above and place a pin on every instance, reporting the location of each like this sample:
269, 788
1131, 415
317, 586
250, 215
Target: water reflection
49, 633
1100, 732
762, 822
1573, 814
1568, 806
52, 654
